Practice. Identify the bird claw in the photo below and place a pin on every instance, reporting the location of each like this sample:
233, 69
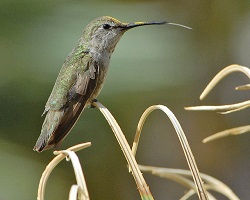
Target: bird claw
92, 106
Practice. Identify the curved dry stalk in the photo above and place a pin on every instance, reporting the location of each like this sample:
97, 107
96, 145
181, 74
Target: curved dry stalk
192, 192
140, 181
83, 194
226, 108
243, 87
52, 165
224, 72
236, 110
184, 143
75, 190
225, 133
189, 194
179, 175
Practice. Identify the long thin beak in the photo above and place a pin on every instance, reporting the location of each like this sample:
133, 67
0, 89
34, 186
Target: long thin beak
136, 24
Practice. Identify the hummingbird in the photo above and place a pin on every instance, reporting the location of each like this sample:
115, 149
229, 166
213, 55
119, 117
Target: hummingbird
81, 78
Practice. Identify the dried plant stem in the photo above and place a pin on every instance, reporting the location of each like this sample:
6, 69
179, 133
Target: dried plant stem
140, 182
226, 108
184, 143
180, 176
243, 87
224, 72
189, 194
52, 165
82, 187
225, 133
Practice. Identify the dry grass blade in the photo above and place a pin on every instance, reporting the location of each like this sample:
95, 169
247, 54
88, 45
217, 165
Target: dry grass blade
83, 194
52, 165
236, 110
75, 190
140, 182
226, 108
243, 87
226, 71
225, 133
191, 193
180, 176
184, 143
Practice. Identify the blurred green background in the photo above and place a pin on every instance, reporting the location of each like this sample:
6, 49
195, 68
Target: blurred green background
151, 65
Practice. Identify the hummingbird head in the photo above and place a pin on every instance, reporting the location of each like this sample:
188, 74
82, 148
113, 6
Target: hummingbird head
104, 32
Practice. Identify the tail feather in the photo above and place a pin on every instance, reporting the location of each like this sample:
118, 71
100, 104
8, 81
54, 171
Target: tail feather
51, 122
58, 124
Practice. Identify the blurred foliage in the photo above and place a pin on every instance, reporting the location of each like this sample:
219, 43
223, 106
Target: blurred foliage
151, 65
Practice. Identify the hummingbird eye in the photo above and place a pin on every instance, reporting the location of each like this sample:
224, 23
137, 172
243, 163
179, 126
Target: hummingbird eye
106, 26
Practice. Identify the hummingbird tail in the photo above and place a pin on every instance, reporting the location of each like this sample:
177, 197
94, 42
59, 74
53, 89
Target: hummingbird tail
51, 122
58, 124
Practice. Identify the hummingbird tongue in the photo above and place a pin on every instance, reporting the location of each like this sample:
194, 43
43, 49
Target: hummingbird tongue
183, 26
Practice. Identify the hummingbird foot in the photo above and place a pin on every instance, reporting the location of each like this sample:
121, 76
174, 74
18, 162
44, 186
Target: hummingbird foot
94, 100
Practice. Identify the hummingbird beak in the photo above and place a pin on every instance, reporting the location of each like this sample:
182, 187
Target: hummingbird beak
136, 24
128, 26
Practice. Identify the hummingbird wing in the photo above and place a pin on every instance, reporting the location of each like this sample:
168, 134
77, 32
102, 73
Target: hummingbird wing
58, 122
